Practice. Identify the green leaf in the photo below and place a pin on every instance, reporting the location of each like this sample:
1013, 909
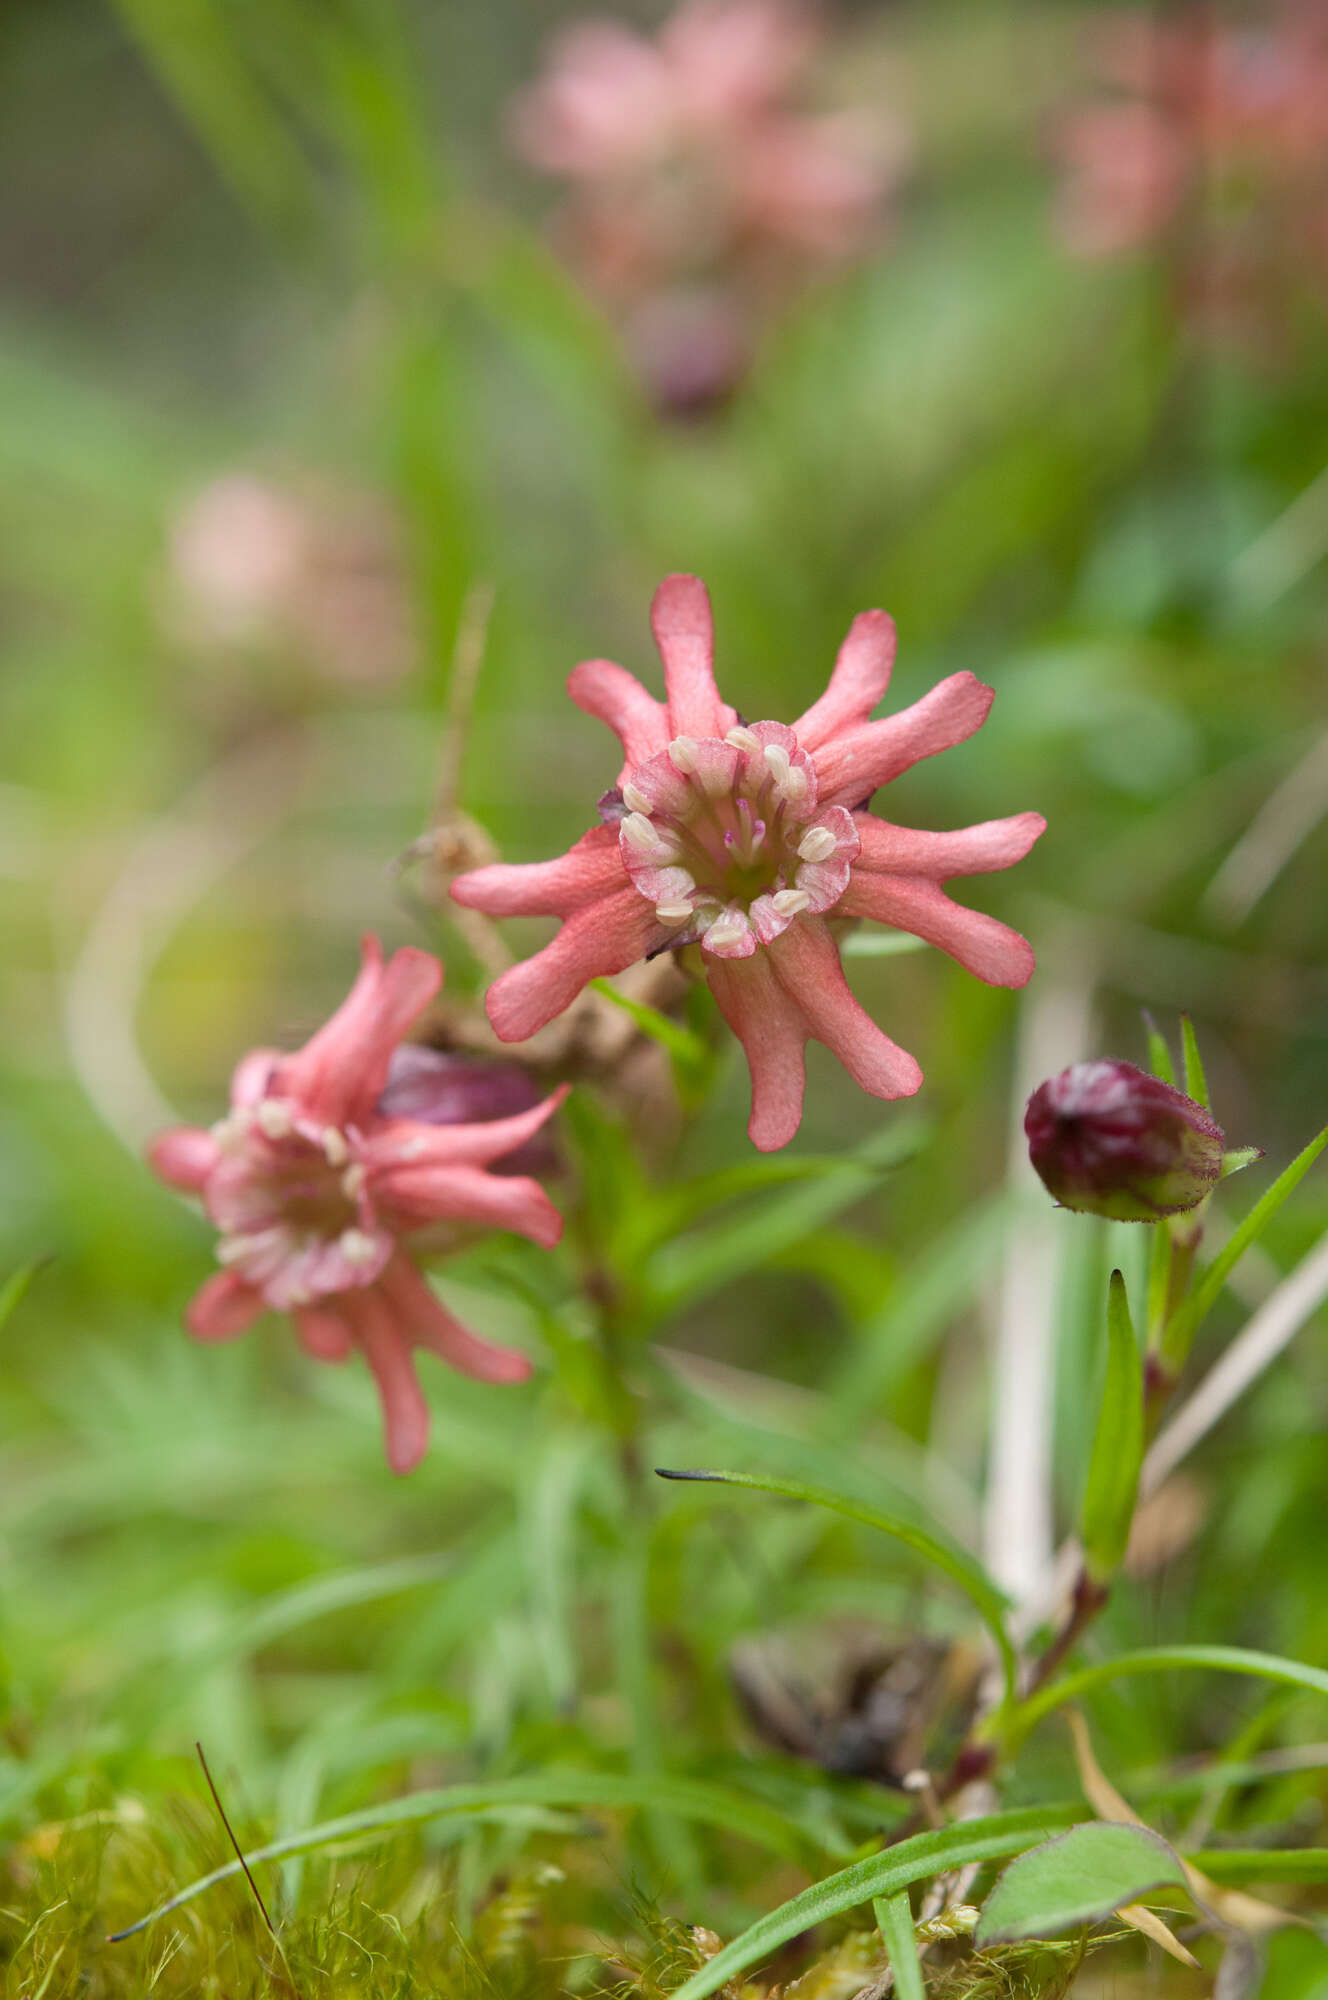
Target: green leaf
15, 1285
192, 45
1196, 1083
700, 1263
879, 1876
894, 1920
1159, 1055
687, 1051
1263, 1864
1192, 1314
1118, 1444
690, 1798
1161, 1660
954, 1562
1076, 1878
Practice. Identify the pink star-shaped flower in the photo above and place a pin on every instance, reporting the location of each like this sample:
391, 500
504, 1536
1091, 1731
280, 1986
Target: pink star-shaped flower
745, 840
316, 1193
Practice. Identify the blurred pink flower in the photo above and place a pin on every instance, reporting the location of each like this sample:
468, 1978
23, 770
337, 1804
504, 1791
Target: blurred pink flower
743, 840
317, 1191
693, 180
258, 564
1234, 114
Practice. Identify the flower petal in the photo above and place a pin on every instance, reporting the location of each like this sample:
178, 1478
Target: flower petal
861, 676
773, 1034
340, 1071
223, 1307
420, 1195
806, 961
431, 1325
590, 869
405, 1143
251, 1077
607, 691
969, 850
385, 1341
852, 764
183, 1157
604, 938
685, 634
324, 1332
984, 947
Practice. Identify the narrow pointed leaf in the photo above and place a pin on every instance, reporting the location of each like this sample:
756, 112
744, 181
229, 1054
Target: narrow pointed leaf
1162, 1660
1118, 1444
1197, 1307
1076, 1878
894, 1920
880, 1875
1196, 1083
954, 1562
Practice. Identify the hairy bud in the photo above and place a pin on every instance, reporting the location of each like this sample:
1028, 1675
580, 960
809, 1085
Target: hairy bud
1108, 1139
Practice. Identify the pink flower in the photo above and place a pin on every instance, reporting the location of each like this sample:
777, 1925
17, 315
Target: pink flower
316, 1191
745, 840
698, 193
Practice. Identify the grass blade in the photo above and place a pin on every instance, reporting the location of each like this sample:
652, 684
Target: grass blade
1197, 1307
690, 1798
894, 1919
880, 1876
946, 1556
1161, 1660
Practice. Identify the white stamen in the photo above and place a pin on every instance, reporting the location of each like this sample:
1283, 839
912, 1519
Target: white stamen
274, 1118
729, 927
335, 1150
777, 757
235, 1249
743, 739
795, 785
635, 799
818, 844
673, 913
791, 902
682, 755
352, 1182
356, 1247
231, 1132
639, 832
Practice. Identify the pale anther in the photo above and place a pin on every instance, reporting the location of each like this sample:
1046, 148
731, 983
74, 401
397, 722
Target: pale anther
743, 739
818, 844
640, 831
352, 1182
791, 902
682, 755
274, 1118
335, 1150
356, 1247
673, 913
634, 798
777, 757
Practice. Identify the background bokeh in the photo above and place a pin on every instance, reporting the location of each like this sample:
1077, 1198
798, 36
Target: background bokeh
291, 367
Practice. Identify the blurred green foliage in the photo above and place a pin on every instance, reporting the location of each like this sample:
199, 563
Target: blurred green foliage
284, 239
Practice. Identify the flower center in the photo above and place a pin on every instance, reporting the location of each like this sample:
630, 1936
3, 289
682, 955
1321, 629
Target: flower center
292, 1206
725, 838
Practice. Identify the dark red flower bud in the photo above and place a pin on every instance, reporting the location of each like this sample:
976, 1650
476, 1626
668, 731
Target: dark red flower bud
1108, 1139
438, 1087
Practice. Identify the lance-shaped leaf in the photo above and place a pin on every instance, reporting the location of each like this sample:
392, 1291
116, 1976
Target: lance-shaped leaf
1118, 1445
1076, 1878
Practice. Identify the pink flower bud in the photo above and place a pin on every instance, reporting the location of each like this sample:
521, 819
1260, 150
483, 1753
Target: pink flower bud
437, 1087
1107, 1139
